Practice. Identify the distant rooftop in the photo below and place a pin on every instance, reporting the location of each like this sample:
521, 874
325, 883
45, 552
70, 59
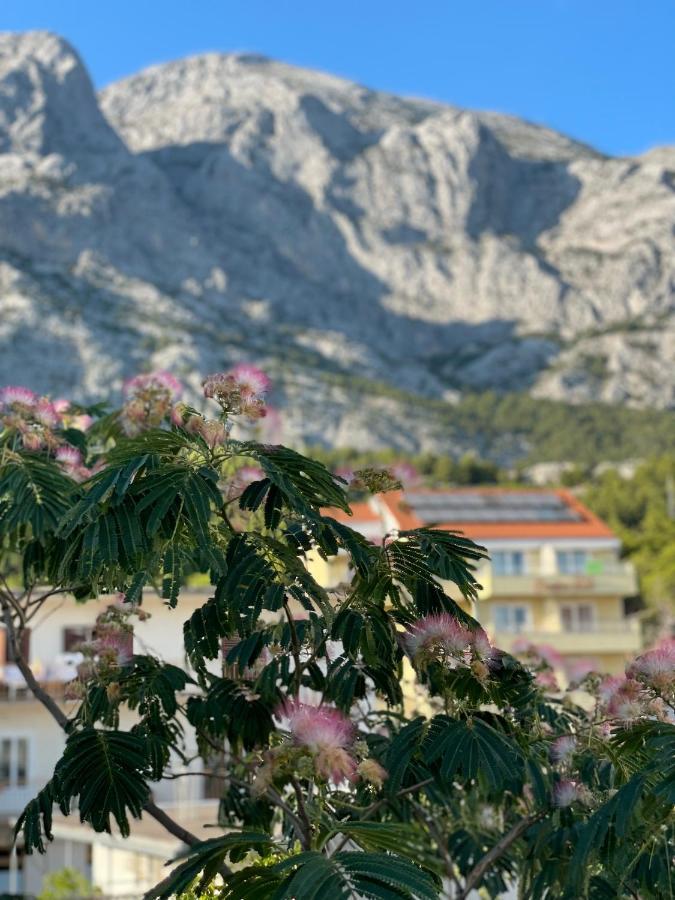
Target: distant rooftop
479, 506
496, 513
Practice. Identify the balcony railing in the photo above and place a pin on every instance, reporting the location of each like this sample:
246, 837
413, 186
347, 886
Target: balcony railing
599, 638
14, 690
612, 580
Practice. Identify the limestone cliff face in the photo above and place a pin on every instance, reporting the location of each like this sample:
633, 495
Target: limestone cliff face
229, 206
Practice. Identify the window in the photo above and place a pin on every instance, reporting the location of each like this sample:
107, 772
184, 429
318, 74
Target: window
76, 635
13, 761
572, 562
508, 562
513, 619
577, 617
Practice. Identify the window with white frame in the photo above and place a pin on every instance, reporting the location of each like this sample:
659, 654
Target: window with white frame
577, 617
508, 562
13, 761
511, 618
571, 562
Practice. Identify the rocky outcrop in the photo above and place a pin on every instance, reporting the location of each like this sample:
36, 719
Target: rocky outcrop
229, 206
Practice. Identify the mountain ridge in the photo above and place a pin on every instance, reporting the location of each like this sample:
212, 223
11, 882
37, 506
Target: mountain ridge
229, 206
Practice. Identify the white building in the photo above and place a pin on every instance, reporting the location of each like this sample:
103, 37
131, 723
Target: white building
31, 743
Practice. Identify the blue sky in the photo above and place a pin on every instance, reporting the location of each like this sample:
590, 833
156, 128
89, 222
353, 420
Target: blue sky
603, 72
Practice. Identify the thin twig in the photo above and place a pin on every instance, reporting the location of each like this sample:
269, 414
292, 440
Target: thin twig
62, 720
306, 836
481, 867
295, 647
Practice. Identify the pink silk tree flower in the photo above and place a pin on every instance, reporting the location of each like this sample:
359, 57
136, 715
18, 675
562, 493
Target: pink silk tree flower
563, 748
327, 733
566, 793
656, 667
437, 634
16, 394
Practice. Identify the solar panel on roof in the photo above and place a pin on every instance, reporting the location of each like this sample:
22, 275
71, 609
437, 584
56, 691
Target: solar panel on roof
513, 506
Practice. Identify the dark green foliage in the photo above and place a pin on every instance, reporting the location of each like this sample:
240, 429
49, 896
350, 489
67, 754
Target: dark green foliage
231, 710
473, 749
106, 771
310, 875
205, 859
34, 496
359, 791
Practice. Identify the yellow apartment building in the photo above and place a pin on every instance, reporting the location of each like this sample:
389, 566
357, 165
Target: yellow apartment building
554, 579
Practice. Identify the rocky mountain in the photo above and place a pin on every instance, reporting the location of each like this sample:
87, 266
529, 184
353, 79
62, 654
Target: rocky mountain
375, 253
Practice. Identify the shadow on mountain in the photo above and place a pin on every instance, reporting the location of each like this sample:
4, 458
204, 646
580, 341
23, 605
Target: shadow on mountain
522, 198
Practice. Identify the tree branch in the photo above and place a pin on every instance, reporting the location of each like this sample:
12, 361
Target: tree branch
306, 835
61, 719
295, 648
481, 867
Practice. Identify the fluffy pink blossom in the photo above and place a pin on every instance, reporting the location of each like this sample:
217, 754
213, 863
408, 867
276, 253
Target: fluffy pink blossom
627, 701
543, 652
179, 415
117, 643
241, 391
440, 633
370, 770
481, 644
563, 748
33, 439
656, 667
327, 733
69, 457
46, 414
565, 793
251, 378
317, 727
161, 381
81, 422
546, 679
70, 418
248, 474
579, 668
213, 433
16, 394
609, 686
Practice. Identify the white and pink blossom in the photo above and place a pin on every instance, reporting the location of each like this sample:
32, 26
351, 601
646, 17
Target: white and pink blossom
327, 733
240, 391
438, 634
567, 792
160, 381
563, 748
16, 394
656, 667
69, 457
251, 378
46, 414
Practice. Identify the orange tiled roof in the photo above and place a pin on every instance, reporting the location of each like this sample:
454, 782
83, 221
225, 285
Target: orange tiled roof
587, 525
361, 512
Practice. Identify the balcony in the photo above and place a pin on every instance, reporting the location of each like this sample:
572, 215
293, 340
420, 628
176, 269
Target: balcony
622, 637
616, 580
13, 690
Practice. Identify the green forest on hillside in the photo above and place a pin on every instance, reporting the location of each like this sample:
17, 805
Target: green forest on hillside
516, 428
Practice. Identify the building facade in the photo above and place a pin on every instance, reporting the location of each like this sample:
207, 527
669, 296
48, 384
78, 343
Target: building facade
554, 578
31, 743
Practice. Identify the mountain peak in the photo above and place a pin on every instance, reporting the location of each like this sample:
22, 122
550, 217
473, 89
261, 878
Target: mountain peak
47, 102
231, 206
